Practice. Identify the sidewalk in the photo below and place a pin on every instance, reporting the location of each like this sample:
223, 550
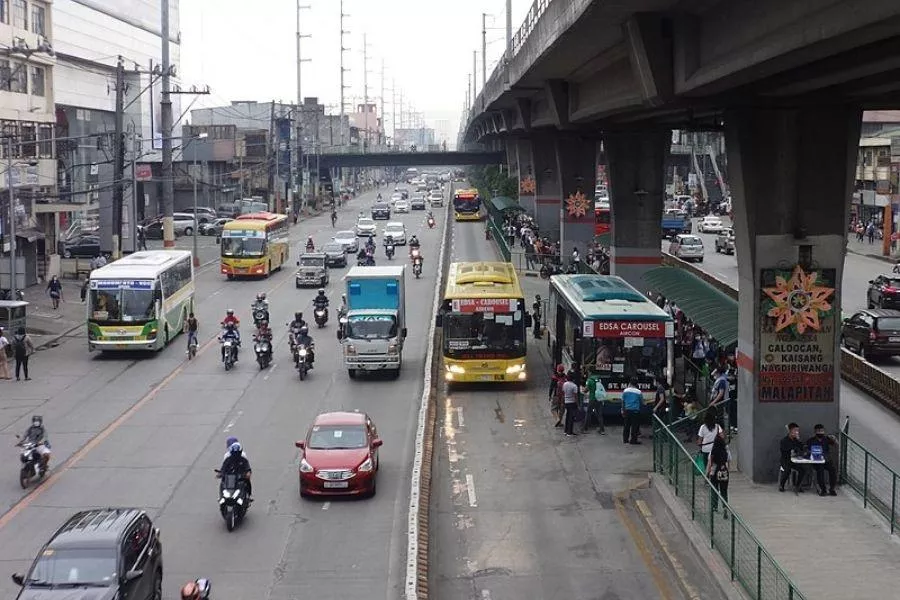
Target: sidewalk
46, 325
873, 250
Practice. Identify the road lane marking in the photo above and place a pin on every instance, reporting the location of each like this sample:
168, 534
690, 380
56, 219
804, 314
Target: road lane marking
680, 571
470, 489
326, 505
270, 371
485, 594
661, 585
459, 416
231, 423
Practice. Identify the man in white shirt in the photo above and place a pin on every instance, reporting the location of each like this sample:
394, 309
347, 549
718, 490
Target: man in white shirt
570, 402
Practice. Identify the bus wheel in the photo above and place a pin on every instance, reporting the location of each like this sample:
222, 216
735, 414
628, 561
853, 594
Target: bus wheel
230, 277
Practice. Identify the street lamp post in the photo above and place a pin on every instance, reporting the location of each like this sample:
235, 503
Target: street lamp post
12, 221
195, 233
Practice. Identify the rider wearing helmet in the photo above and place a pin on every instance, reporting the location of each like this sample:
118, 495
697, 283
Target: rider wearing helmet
298, 321
321, 300
230, 331
414, 242
196, 590
304, 339
263, 332
231, 440
231, 319
310, 244
37, 435
236, 463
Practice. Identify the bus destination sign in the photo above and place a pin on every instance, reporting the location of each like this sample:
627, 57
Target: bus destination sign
624, 329
473, 305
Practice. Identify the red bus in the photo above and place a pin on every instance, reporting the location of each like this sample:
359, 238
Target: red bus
602, 220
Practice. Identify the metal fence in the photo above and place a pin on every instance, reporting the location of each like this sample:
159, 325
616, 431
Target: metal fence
748, 561
534, 13
868, 476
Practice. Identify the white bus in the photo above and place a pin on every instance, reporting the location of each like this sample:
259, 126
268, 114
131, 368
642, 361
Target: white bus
141, 301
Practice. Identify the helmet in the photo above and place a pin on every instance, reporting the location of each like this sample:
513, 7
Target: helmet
235, 448
298, 316
344, 297
309, 238
190, 591
230, 441
304, 330
263, 324
230, 312
321, 291
560, 369
260, 296
37, 420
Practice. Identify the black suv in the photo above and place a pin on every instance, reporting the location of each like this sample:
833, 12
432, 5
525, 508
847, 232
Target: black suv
113, 548
872, 332
884, 292
381, 210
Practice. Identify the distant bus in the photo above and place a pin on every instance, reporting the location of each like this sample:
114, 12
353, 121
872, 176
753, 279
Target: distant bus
140, 302
484, 323
255, 244
411, 173
602, 219
600, 321
467, 205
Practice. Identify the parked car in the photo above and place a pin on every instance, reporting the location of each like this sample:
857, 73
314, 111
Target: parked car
710, 224
872, 332
884, 292
335, 256
401, 206
98, 553
86, 246
687, 247
153, 230
397, 231
348, 240
366, 227
339, 455
228, 210
725, 241
381, 210
417, 202
213, 227
184, 223
204, 214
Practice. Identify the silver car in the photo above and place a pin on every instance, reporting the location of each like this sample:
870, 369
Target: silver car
397, 231
401, 206
366, 227
687, 247
348, 240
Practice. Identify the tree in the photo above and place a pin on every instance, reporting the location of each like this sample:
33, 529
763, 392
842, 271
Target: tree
491, 180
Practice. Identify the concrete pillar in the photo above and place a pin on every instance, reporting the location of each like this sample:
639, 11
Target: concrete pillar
791, 172
636, 161
547, 187
576, 161
525, 168
512, 157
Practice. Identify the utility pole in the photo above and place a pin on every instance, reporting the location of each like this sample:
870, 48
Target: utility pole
119, 161
344, 87
168, 195
299, 172
394, 110
11, 229
365, 94
273, 165
381, 111
508, 52
474, 73
401, 109
483, 50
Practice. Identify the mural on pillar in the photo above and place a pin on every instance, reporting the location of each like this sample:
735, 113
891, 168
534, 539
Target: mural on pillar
577, 205
797, 329
527, 186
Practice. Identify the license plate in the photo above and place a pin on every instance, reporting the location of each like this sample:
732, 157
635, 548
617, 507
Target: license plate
894, 339
486, 378
336, 484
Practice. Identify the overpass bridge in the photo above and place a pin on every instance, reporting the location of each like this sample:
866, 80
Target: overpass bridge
595, 81
411, 159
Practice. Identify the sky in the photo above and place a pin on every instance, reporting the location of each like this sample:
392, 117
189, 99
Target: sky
247, 51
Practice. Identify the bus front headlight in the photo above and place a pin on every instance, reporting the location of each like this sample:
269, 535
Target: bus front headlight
514, 369
456, 369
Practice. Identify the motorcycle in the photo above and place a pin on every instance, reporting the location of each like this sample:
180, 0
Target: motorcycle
230, 353
321, 316
389, 251
416, 263
368, 261
263, 348
32, 465
205, 587
430, 222
302, 361
233, 503
260, 313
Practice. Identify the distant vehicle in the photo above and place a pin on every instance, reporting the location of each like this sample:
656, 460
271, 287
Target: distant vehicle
87, 246
348, 240
339, 455
436, 198
184, 223
467, 205
401, 206
872, 332
255, 244
602, 219
411, 173
312, 270
884, 292
204, 214
214, 227
366, 227
675, 221
153, 230
418, 202
710, 224
687, 247
725, 241
113, 552
335, 254
397, 231
396, 196
381, 210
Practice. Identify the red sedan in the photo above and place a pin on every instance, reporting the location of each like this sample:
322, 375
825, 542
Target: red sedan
339, 456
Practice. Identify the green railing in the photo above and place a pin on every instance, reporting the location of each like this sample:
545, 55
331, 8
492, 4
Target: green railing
499, 238
870, 477
749, 563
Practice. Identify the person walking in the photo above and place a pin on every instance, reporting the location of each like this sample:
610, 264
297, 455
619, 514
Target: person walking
141, 239
536, 309
23, 348
596, 399
84, 287
4, 356
632, 399
706, 436
555, 394
718, 470
55, 289
570, 402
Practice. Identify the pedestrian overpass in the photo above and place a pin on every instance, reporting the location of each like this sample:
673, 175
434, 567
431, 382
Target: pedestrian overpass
409, 159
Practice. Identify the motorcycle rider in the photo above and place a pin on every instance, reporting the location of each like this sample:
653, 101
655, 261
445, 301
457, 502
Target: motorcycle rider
342, 311
230, 319
310, 244
236, 463
263, 332
231, 440
38, 435
304, 339
414, 243
230, 332
298, 322
333, 217
196, 590
191, 326
321, 301
370, 244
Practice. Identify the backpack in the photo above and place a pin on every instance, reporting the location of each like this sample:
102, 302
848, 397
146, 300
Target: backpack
18, 344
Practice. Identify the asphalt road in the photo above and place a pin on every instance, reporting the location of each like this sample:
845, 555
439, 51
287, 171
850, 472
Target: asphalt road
148, 431
518, 511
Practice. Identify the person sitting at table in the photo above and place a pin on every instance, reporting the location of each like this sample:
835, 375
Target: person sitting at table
820, 445
791, 447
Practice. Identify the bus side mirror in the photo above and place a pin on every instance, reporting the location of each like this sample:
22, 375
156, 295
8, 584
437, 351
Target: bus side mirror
157, 294
403, 333
527, 320
439, 321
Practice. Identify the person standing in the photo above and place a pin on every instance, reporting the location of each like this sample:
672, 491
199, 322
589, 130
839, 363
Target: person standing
84, 287
632, 399
718, 470
4, 356
23, 348
596, 399
555, 394
141, 239
536, 309
570, 402
706, 436
55, 289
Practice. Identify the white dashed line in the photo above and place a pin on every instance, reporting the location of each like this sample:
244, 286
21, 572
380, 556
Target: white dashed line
470, 488
459, 416
271, 370
326, 505
485, 594
231, 423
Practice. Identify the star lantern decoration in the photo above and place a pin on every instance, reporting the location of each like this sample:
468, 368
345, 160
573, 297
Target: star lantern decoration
526, 186
799, 301
577, 204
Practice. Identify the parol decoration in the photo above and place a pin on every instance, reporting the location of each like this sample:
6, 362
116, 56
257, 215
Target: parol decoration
527, 186
577, 204
799, 301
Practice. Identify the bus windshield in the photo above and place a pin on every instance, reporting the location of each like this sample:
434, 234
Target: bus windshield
238, 247
484, 335
122, 305
466, 204
623, 358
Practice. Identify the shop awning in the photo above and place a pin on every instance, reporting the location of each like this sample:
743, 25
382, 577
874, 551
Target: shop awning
504, 204
29, 235
703, 304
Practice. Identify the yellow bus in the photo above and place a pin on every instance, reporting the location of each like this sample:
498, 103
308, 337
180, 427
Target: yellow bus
255, 244
467, 205
484, 323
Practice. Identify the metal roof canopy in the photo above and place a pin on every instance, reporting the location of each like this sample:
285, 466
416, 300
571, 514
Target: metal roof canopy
504, 203
703, 304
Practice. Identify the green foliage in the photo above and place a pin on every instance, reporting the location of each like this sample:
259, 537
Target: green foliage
491, 181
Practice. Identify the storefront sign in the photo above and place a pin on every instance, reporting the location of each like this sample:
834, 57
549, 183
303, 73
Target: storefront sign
624, 329
797, 328
475, 305
143, 172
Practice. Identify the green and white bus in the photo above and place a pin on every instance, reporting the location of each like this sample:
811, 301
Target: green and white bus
141, 301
